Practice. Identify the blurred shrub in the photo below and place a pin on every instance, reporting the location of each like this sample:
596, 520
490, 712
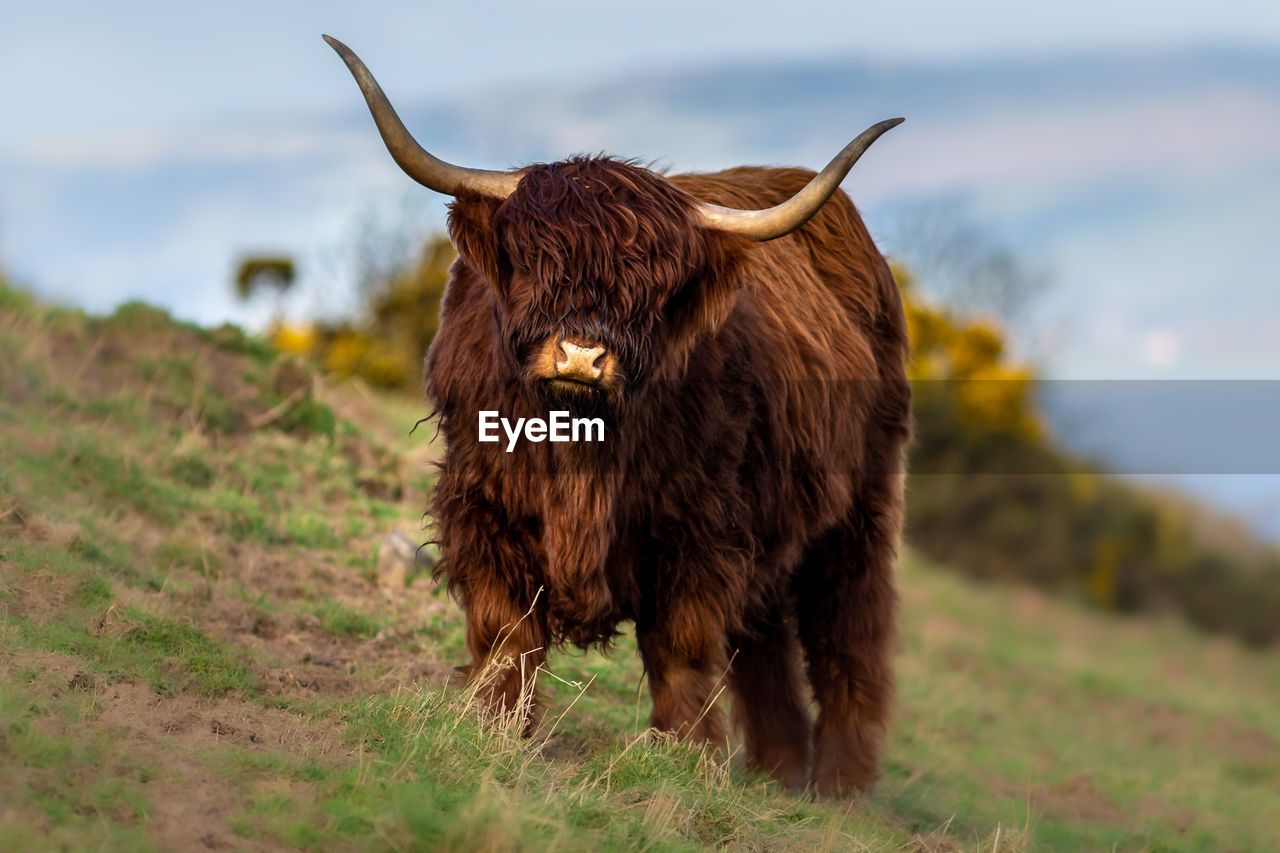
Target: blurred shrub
993, 495
385, 347
255, 273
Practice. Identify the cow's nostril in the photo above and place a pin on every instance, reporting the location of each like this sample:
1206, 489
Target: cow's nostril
580, 361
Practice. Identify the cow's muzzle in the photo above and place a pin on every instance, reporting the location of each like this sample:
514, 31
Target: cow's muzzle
576, 364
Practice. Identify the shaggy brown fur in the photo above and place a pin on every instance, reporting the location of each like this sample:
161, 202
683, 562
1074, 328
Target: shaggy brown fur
747, 501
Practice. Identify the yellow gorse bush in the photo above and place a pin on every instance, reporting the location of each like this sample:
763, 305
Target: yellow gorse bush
386, 348
293, 339
966, 359
344, 352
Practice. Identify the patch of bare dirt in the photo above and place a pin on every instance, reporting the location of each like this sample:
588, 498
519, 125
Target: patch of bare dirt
942, 631
1076, 798
1181, 819
181, 738
36, 595
18, 519
298, 656
1166, 725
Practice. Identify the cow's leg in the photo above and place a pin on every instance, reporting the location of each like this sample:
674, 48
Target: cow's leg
845, 603
685, 663
506, 639
493, 568
769, 701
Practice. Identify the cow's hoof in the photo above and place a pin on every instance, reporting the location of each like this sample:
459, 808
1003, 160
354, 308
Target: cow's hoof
459, 677
841, 773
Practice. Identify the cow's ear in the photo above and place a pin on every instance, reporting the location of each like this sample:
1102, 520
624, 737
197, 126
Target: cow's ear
703, 304
472, 229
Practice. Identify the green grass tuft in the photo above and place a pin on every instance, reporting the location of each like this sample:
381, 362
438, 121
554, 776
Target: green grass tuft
344, 621
196, 661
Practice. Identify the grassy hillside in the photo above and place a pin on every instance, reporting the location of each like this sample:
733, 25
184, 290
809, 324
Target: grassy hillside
198, 649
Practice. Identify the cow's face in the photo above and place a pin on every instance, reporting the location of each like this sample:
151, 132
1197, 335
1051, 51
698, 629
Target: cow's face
600, 276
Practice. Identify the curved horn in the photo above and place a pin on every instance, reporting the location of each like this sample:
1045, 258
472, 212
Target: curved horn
784, 218
432, 172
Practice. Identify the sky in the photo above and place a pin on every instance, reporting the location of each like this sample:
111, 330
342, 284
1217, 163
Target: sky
86, 66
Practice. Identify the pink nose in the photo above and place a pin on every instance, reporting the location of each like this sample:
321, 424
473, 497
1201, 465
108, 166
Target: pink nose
576, 361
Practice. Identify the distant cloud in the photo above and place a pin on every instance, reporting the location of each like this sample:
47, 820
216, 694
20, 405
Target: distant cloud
144, 149
1177, 138
1160, 349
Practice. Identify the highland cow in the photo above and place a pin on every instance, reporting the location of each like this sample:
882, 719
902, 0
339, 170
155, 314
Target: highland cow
744, 343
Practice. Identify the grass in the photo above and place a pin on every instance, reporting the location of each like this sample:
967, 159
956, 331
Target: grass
197, 649
343, 621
